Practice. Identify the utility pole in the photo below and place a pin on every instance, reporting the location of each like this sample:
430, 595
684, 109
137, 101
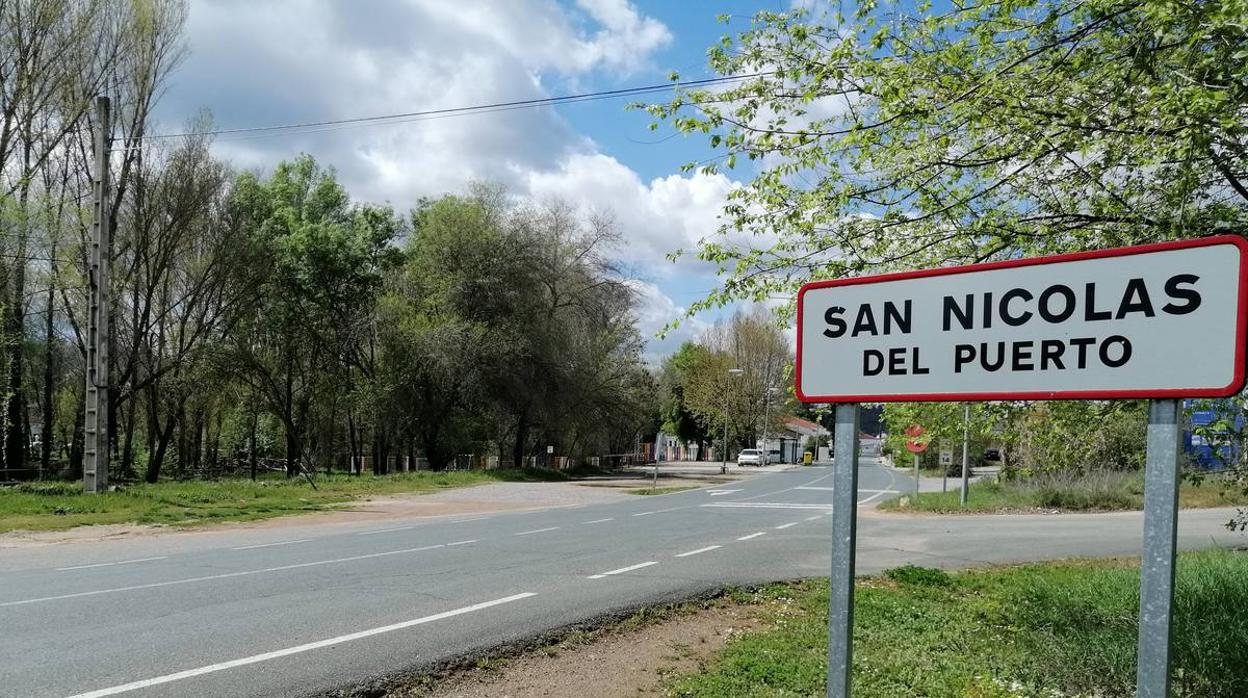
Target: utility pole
95, 432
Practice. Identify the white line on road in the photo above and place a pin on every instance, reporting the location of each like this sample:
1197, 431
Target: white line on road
537, 530
878, 493
821, 489
766, 505
784, 526
813, 518
753, 535
477, 518
256, 658
462, 542
110, 564
270, 545
227, 575
718, 493
658, 511
622, 570
707, 549
386, 530
586, 523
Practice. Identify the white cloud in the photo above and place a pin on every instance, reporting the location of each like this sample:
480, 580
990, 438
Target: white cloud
655, 311
285, 61
655, 218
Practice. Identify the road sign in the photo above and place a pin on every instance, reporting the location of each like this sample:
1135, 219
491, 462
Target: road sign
915, 443
946, 457
1107, 324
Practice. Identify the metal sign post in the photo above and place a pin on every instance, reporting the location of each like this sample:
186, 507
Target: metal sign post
844, 533
1161, 521
966, 465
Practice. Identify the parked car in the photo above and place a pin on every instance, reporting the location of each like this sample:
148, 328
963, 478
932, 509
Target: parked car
751, 456
992, 454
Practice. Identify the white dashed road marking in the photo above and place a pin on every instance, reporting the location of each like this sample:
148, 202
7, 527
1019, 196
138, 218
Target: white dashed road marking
718, 493
766, 505
622, 570
753, 535
386, 530
784, 526
462, 542
659, 511
707, 549
538, 530
586, 523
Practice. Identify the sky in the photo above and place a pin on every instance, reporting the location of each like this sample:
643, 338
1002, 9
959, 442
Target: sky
291, 61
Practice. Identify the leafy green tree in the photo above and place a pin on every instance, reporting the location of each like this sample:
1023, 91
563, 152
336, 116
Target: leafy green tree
678, 419
907, 135
320, 262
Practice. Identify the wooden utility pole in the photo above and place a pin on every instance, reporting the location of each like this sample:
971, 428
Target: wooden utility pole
95, 431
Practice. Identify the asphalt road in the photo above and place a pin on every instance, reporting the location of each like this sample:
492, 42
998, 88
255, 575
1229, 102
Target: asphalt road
299, 610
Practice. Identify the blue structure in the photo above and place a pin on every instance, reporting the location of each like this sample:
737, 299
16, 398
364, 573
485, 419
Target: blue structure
1200, 451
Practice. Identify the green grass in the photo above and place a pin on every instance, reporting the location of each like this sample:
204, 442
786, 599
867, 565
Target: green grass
1065, 629
61, 505
664, 490
1107, 492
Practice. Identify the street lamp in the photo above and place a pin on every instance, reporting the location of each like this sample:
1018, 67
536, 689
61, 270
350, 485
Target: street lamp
723, 466
767, 423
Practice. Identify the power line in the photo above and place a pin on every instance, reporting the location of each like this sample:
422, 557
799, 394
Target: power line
332, 124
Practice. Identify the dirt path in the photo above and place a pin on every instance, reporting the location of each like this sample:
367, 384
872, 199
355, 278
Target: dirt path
616, 663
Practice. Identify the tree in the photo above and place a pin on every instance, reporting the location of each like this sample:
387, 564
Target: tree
678, 419
905, 136
754, 344
320, 262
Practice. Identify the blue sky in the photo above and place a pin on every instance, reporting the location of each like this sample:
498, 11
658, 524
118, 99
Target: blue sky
286, 61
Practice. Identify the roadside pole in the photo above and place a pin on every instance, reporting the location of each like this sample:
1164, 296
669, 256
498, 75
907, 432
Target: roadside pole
1161, 502
844, 533
966, 466
916, 476
95, 409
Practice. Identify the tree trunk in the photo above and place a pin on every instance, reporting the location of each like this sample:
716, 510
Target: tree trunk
522, 439
49, 371
251, 446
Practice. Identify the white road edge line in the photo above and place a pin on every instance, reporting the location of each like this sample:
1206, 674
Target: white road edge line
270, 545
537, 530
226, 575
753, 535
110, 564
256, 658
385, 530
878, 493
781, 527
586, 523
707, 549
622, 570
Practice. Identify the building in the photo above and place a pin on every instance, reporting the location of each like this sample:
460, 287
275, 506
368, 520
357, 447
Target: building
788, 445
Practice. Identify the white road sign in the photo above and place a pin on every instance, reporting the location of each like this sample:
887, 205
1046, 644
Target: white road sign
946, 457
1157, 321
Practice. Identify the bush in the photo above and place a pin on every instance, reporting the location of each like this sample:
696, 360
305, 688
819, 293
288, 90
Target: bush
919, 576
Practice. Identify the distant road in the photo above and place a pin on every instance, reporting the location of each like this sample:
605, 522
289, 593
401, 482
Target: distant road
302, 609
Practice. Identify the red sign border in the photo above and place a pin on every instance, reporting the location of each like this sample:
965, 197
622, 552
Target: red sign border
1241, 327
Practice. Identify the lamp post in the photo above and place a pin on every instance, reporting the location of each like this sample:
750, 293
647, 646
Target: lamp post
723, 465
767, 423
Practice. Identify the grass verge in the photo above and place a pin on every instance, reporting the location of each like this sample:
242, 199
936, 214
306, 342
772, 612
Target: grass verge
1111, 492
47, 506
1053, 630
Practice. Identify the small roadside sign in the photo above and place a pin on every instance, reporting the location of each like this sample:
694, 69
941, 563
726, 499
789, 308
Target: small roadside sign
946, 457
